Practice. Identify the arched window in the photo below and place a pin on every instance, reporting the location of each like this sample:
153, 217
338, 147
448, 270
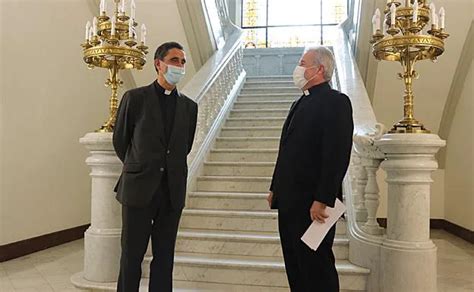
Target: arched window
291, 23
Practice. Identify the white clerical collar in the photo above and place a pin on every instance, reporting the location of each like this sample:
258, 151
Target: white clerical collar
306, 92
168, 92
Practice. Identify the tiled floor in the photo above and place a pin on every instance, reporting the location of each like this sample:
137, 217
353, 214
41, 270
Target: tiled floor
50, 270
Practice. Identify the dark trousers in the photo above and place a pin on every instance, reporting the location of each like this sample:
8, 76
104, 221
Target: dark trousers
307, 270
160, 221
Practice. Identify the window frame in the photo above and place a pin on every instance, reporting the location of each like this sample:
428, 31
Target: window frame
321, 25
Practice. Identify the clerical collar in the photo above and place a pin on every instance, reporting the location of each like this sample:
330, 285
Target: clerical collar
162, 90
318, 88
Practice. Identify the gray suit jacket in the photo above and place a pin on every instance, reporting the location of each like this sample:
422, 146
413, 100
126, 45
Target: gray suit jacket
139, 141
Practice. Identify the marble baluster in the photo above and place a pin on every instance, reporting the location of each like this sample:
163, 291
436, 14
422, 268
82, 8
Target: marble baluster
371, 196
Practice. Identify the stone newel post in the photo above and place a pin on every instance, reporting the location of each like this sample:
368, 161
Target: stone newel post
408, 255
102, 239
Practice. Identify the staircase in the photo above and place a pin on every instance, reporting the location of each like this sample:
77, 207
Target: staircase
228, 238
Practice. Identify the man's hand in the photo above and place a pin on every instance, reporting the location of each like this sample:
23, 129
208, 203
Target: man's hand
318, 212
270, 199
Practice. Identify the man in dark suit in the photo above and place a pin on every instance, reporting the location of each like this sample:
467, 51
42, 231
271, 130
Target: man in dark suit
313, 158
153, 135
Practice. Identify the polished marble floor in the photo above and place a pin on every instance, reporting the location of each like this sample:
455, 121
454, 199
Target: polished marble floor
51, 269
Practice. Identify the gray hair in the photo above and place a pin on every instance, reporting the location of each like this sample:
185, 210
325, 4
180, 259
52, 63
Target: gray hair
324, 57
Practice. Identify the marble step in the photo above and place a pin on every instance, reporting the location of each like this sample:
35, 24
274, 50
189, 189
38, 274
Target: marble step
229, 220
266, 97
237, 220
239, 168
178, 286
262, 104
268, 83
247, 155
250, 270
228, 201
248, 122
259, 113
269, 78
247, 143
243, 184
263, 244
283, 89
250, 132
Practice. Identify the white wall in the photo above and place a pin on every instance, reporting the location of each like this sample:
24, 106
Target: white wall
459, 188
49, 99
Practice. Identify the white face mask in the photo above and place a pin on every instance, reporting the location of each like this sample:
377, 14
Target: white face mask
174, 74
298, 76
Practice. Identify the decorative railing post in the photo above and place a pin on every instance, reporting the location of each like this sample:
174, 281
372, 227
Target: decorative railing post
361, 182
371, 157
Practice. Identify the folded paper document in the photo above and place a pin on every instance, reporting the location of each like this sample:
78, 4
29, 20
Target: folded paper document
317, 231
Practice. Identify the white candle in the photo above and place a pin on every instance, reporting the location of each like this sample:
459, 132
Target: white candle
433, 12
377, 19
435, 21
415, 11
374, 25
122, 6
112, 30
103, 6
442, 15
88, 27
132, 9
130, 28
393, 14
90, 34
143, 33
94, 26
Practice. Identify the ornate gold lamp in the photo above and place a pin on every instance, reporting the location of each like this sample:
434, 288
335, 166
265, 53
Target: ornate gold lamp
111, 43
404, 40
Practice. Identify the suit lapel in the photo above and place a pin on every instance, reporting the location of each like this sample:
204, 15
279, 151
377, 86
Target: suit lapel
178, 117
156, 112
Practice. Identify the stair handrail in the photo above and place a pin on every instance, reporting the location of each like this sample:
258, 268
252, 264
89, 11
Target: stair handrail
214, 88
366, 131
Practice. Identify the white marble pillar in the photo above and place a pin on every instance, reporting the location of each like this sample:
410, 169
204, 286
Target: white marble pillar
102, 239
408, 255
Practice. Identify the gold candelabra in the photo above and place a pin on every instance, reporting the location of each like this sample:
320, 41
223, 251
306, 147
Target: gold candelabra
404, 40
111, 43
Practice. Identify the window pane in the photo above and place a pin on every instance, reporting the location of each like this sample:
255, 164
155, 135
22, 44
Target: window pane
255, 38
254, 13
294, 36
334, 11
294, 12
329, 35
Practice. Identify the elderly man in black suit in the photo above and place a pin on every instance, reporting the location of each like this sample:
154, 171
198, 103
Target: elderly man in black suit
153, 135
313, 158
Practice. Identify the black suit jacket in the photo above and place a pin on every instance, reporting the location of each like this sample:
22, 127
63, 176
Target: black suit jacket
139, 141
314, 151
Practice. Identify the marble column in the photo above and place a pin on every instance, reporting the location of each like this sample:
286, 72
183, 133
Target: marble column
408, 255
102, 239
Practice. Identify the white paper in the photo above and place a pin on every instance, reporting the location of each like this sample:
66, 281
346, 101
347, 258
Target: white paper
317, 231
